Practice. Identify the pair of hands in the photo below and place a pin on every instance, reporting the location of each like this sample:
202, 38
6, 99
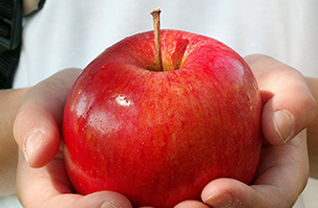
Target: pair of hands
288, 107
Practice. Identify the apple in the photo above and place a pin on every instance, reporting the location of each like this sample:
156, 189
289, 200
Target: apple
159, 137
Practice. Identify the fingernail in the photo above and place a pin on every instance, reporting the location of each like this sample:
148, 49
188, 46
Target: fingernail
223, 200
284, 124
108, 205
31, 143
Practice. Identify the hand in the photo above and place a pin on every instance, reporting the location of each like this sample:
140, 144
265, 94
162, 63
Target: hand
41, 179
288, 107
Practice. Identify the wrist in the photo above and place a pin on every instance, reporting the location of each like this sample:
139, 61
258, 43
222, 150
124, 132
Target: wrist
10, 103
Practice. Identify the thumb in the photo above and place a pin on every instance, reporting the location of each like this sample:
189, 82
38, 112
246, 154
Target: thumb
288, 105
37, 124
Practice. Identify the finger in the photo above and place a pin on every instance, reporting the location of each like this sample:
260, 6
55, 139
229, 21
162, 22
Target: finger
49, 187
191, 204
102, 199
37, 124
237, 194
232, 193
288, 105
280, 179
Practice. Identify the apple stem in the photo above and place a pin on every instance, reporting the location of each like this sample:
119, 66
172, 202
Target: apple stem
156, 22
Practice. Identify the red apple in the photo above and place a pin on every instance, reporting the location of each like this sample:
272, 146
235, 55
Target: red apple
159, 137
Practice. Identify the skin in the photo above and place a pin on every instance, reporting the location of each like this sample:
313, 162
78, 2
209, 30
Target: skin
48, 186
312, 132
8, 147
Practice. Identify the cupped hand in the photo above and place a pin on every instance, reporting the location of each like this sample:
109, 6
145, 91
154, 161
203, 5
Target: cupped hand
49, 186
42, 180
288, 108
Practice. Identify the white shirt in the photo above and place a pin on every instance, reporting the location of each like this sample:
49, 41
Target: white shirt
70, 33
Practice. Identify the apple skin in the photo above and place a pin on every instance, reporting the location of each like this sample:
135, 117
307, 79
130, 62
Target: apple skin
159, 137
